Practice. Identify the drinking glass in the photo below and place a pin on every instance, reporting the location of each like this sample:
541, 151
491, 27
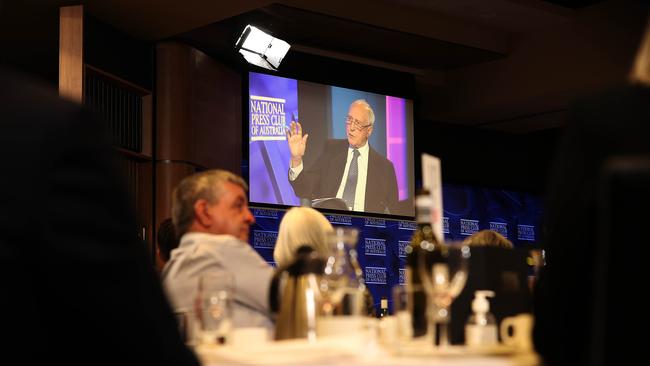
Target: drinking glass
409, 307
444, 271
342, 286
214, 306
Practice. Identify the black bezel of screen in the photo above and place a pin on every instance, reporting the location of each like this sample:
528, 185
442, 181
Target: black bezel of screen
338, 83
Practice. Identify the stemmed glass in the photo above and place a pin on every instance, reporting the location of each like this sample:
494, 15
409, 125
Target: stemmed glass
444, 271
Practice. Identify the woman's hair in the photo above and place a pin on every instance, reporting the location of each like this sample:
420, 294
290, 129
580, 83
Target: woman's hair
301, 226
488, 238
641, 69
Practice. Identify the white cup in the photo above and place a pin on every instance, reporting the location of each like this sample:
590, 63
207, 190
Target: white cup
516, 331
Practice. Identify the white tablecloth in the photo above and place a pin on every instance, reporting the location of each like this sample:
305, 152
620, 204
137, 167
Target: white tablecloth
355, 351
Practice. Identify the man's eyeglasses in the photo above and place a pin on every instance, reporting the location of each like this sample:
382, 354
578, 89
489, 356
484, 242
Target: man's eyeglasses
352, 122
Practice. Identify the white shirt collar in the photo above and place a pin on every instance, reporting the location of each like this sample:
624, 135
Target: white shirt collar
192, 237
363, 150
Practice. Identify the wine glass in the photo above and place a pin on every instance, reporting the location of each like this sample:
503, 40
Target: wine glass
444, 270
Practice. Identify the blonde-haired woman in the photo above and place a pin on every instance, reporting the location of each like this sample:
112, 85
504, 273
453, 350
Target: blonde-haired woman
301, 226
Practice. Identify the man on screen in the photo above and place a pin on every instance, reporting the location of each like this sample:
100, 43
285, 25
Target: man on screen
347, 169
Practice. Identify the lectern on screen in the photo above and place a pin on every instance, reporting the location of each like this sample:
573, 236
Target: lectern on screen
323, 112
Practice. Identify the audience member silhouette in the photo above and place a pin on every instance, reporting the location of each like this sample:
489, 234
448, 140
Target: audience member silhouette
77, 285
613, 123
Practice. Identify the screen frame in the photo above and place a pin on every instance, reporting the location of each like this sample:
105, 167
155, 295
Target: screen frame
349, 84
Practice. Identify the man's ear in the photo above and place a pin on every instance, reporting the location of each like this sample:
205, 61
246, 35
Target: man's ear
370, 130
201, 214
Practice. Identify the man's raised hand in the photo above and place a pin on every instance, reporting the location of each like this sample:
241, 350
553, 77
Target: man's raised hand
297, 143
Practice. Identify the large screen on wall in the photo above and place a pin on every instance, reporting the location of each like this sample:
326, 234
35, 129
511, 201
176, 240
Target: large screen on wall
350, 162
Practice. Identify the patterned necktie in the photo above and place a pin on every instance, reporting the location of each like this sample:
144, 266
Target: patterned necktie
351, 184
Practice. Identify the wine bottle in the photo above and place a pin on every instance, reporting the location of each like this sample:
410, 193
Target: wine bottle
423, 238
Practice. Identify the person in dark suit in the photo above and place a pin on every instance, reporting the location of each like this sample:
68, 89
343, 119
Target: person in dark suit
347, 169
612, 124
77, 285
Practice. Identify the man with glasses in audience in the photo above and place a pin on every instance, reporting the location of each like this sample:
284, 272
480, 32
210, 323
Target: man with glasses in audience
347, 169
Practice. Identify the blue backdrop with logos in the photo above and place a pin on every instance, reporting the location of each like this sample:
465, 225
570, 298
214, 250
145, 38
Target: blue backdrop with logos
381, 245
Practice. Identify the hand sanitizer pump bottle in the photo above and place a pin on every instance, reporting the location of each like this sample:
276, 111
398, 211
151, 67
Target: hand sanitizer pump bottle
481, 327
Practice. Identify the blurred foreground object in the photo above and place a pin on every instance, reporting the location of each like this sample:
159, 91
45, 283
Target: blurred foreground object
77, 285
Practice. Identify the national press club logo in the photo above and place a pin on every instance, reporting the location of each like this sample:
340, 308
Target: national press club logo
526, 232
371, 222
402, 244
261, 212
468, 227
375, 247
407, 225
339, 219
375, 275
267, 118
263, 239
499, 227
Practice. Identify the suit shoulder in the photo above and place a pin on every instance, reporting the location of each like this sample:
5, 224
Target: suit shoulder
336, 142
379, 158
332, 145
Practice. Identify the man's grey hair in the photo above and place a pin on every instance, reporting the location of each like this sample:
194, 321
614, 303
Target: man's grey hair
371, 113
207, 185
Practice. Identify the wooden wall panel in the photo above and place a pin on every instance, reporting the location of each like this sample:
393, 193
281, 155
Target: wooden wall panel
147, 125
198, 108
198, 118
168, 175
173, 119
217, 114
138, 180
71, 52
144, 202
136, 168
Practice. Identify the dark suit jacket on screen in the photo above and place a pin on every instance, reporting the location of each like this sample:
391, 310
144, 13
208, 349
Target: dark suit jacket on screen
323, 178
77, 286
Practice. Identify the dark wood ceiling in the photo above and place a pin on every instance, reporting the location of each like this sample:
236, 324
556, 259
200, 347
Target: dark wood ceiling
573, 4
495, 62
342, 36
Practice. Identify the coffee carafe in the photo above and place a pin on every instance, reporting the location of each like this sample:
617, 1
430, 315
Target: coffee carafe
295, 296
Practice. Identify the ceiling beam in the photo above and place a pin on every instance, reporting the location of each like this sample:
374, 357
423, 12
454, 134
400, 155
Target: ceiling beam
158, 19
409, 20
